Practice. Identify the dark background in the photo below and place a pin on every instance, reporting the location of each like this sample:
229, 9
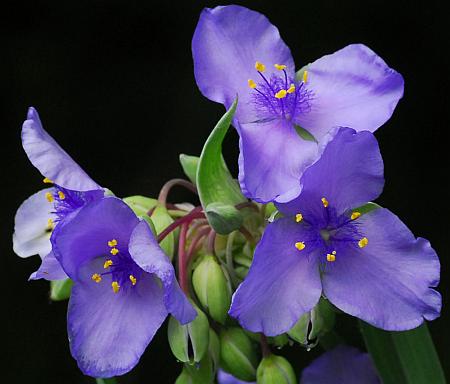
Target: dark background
113, 82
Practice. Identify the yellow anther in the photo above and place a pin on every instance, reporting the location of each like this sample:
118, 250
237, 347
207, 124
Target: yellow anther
355, 215
291, 89
260, 66
96, 277
115, 286
112, 243
298, 217
331, 256
107, 264
305, 76
133, 280
251, 84
324, 202
49, 197
114, 251
363, 242
61, 195
50, 224
280, 67
300, 245
47, 181
281, 94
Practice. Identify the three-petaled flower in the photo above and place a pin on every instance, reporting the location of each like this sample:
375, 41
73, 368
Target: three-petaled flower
238, 52
368, 265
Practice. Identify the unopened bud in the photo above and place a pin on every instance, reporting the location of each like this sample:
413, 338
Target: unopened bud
238, 354
212, 288
275, 369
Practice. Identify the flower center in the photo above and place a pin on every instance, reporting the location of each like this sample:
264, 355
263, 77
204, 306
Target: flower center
279, 97
123, 270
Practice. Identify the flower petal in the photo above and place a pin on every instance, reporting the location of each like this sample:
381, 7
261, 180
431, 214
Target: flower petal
108, 332
348, 174
226, 45
386, 283
341, 365
352, 87
146, 252
50, 159
227, 378
31, 233
282, 284
86, 235
50, 269
272, 159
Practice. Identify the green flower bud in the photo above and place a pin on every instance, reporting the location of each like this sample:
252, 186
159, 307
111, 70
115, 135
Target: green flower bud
238, 354
189, 342
201, 373
212, 288
275, 369
223, 218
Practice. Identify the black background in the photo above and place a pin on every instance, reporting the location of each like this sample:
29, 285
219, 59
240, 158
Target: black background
113, 82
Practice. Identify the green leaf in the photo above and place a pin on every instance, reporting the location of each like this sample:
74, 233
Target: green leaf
160, 218
60, 289
214, 181
404, 357
190, 166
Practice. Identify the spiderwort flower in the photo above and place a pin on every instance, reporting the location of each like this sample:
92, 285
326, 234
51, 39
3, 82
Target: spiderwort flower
238, 52
117, 302
37, 217
342, 364
368, 265
226, 378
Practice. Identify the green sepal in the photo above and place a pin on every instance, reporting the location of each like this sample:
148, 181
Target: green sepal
304, 134
190, 166
403, 357
212, 289
111, 380
214, 181
200, 373
366, 208
60, 289
192, 337
223, 218
238, 354
160, 219
275, 369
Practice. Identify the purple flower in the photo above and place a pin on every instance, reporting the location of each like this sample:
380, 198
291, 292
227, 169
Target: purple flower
368, 265
227, 378
124, 286
238, 52
341, 365
37, 217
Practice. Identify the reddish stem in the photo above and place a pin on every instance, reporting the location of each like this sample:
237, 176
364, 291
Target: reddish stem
171, 183
202, 232
248, 236
265, 349
196, 213
182, 265
211, 241
247, 204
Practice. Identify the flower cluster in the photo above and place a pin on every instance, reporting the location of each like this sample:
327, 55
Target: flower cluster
309, 239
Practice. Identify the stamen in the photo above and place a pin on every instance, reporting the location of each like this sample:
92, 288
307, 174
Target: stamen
331, 256
47, 181
355, 215
133, 280
300, 245
49, 197
260, 67
363, 242
50, 225
114, 251
280, 67
281, 94
112, 243
305, 76
115, 286
61, 195
96, 277
291, 89
107, 264
324, 202
298, 217
251, 84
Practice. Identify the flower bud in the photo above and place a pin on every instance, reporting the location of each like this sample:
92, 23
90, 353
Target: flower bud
275, 369
238, 354
224, 218
189, 342
212, 288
